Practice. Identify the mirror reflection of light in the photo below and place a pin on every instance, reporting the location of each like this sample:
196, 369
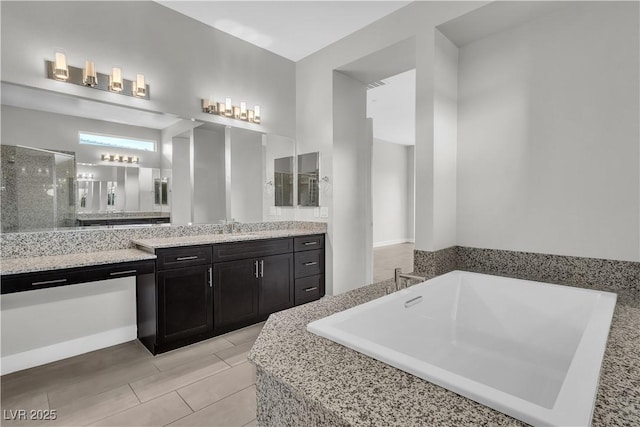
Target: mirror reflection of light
243, 32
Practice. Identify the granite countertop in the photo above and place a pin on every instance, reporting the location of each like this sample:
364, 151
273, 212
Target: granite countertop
171, 242
361, 391
59, 262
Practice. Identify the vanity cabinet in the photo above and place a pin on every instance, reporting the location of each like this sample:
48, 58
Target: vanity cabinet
176, 308
184, 299
254, 285
207, 290
309, 268
53, 278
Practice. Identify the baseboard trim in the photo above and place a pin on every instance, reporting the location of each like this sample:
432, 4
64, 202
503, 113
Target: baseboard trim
63, 350
392, 242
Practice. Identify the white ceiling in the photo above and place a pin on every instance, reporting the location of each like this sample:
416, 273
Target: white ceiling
292, 29
393, 109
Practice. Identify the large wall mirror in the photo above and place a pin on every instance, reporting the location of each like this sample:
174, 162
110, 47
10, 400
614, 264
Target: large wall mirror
198, 173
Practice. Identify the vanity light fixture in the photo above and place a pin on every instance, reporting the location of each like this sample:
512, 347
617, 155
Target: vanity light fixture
59, 70
119, 158
138, 88
269, 187
89, 76
324, 184
227, 109
115, 80
209, 106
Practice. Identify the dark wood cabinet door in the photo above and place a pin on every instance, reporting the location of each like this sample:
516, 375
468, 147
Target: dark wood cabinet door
275, 291
184, 303
235, 285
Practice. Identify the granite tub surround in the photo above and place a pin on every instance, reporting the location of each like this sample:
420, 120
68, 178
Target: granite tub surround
98, 239
621, 277
303, 379
434, 263
593, 273
59, 262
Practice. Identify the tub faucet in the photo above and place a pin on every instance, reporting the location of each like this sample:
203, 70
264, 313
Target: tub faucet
401, 277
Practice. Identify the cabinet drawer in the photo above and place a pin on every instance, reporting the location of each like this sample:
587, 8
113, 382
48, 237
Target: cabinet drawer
70, 276
183, 257
252, 249
308, 243
309, 289
309, 263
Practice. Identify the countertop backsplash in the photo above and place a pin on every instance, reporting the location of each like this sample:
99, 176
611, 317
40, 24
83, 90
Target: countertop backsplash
84, 240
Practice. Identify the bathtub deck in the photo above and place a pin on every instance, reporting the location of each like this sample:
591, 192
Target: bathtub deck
303, 379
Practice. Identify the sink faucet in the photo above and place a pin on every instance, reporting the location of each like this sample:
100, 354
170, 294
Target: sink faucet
232, 223
400, 277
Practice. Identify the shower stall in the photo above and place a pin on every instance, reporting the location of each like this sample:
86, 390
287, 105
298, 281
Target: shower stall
37, 189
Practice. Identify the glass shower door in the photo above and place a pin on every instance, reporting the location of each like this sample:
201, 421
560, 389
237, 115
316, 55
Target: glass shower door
37, 189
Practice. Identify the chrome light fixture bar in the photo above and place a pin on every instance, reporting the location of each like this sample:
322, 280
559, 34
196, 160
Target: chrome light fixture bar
227, 109
88, 77
119, 158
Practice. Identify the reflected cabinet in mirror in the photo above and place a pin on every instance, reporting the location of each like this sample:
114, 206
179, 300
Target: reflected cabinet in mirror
113, 188
308, 173
283, 175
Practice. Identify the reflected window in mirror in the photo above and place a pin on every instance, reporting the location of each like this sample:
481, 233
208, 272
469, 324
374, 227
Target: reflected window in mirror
308, 173
283, 177
113, 142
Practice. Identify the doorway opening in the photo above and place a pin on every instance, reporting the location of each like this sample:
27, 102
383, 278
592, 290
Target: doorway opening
391, 107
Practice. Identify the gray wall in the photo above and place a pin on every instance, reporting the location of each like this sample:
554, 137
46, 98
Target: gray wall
209, 191
181, 203
314, 118
548, 149
393, 202
352, 154
247, 176
182, 59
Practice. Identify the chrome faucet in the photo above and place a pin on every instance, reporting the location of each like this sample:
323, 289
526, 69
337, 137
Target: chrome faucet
400, 277
232, 223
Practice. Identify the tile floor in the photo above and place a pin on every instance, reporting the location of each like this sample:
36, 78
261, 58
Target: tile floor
210, 383
387, 258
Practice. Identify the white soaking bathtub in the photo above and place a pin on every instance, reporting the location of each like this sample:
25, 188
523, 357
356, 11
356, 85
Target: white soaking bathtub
528, 349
